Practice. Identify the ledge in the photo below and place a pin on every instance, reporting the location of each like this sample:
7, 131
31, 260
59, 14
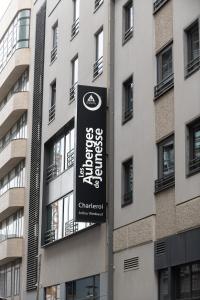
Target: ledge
15, 67
12, 111
11, 201
12, 154
10, 249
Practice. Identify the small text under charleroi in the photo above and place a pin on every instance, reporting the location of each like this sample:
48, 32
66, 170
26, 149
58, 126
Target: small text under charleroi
91, 170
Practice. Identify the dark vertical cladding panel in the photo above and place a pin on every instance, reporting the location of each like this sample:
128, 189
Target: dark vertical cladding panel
34, 198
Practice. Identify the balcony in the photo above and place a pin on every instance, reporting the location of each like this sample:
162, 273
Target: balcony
13, 8
158, 4
164, 86
10, 249
194, 166
15, 67
11, 201
73, 93
53, 54
127, 198
128, 34
75, 28
98, 67
12, 155
52, 113
12, 111
164, 183
192, 66
97, 4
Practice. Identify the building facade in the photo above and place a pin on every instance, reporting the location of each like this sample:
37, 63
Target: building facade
147, 55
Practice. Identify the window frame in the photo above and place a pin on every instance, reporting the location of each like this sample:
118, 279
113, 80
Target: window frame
51, 171
191, 128
191, 65
128, 82
52, 102
126, 192
164, 181
74, 227
127, 26
163, 83
54, 31
98, 65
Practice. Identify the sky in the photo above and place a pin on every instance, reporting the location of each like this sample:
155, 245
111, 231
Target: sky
3, 6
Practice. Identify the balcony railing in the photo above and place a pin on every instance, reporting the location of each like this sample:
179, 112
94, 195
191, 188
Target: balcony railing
127, 198
164, 86
53, 54
70, 158
73, 92
52, 112
51, 172
97, 3
158, 4
75, 28
128, 113
128, 34
164, 182
194, 165
4, 237
71, 227
49, 236
192, 66
98, 67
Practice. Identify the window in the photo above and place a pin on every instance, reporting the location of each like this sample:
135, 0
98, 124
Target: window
61, 154
128, 21
194, 147
187, 279
16, 37
165, 164
127, 187
163, 285
73, 89
193, 52
22, 85
165, 76
18, 131
12, 227
158, 4
54, 42
60, 219
127, 99
14, 179
85, 288
52, 109
53, 292
75, 25
97, 4
10, 279
98, 65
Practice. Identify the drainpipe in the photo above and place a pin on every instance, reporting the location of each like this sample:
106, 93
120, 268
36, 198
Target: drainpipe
110, 139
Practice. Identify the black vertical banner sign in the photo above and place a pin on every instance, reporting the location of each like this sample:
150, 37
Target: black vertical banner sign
90, 175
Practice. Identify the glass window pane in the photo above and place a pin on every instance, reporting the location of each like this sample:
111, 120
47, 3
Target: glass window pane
168, 159
164, 285
196, 280
183, 282
57, 218
99, 45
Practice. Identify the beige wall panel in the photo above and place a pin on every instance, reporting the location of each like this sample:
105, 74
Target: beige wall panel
134, 234
120, 239
187, 214
165, 213
164, 115
163, 25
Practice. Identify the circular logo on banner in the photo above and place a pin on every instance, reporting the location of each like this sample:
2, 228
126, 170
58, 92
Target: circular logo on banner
92, 101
